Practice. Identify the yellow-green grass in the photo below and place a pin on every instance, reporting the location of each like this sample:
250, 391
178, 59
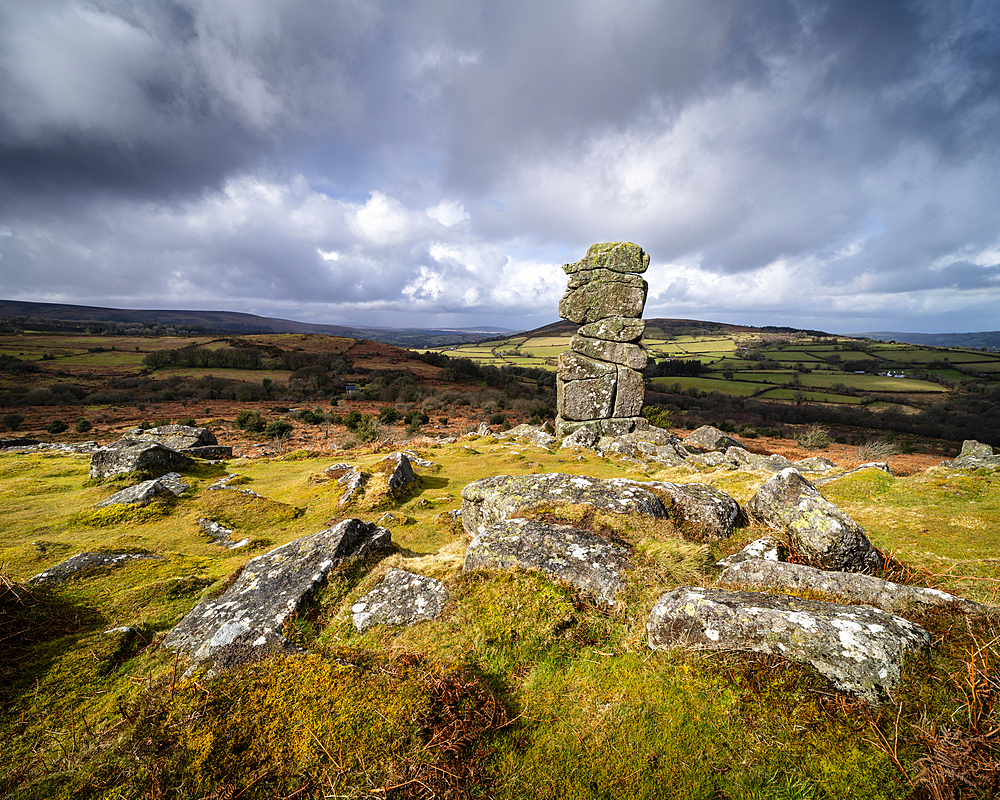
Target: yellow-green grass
919, 355
584, 707
712, 346
984, 366
740, 388
942, 520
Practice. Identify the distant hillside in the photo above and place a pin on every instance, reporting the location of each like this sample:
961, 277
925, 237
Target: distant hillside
988, 340
72, 318
677, 327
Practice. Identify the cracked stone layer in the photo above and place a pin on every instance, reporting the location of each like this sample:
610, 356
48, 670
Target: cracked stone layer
850, 587
614, 329
592, 564
817, 530
400, 599
632, 356
611, 426
597, 294
142, 493
615, 256
134, 455
708, 437
860, 649
273, 586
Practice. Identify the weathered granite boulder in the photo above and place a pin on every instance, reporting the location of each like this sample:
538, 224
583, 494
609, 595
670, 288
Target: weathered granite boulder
209, 451
859, 649
132, 455
747, 460
350, 477
630, 393
221, 535
975, 455
629, 355
712, 458
597, 294
484, 429
272, 587
581, 437
766, 548
592, 564
585, 387
849, 587
176, 437
85, 562
399, 474
400, 599
814, 464
529, 433
489, 501
614, 329
709, 438
615, 256
702, 511
817, 530
141, 493
611, 426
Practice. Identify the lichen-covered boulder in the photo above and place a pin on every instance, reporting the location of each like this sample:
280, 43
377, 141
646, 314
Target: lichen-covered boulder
747, 460
614, 329
585, 387
976, 455
610, 426
529, 433
400, 599
630, 355
766, 548
140, 494
817, 530
398, 471
849, 587
87, 562
176, 437
702, 511
710, 438
596, 294
630, 393
489, 501
133, 455
592, 564
615, 256
860, 649
582, 437
273, 586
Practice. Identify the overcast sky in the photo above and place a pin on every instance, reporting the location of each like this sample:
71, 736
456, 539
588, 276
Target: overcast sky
830, 165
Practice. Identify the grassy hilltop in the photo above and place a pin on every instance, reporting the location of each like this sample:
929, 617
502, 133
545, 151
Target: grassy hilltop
524, 688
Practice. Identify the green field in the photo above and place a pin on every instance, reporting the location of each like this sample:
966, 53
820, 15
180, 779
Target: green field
718, 353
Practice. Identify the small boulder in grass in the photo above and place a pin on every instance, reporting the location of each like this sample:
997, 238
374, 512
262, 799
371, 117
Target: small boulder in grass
400, 599
817, 531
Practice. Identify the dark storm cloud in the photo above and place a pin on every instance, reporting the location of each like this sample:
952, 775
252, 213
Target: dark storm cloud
438, 158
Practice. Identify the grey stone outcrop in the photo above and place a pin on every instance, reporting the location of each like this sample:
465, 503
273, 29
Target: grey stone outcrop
400, 599
135, 455
599, 381
272, 587
581, 437
84, 562
975, 455
592, 564
399, 473
176, 437
747, 460
848, 587
882, 466
489, 501
710, 438
350, 477
529, 433
700, 511
817, 530
860, 649
140, 494
766, 548
703, 511
221, 535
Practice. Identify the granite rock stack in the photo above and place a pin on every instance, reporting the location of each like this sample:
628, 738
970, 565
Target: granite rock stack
599, 383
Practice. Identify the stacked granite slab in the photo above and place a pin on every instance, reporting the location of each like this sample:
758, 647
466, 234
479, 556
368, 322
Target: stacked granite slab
599, 383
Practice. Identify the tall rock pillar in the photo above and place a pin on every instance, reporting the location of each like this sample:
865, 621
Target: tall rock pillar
599, 383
